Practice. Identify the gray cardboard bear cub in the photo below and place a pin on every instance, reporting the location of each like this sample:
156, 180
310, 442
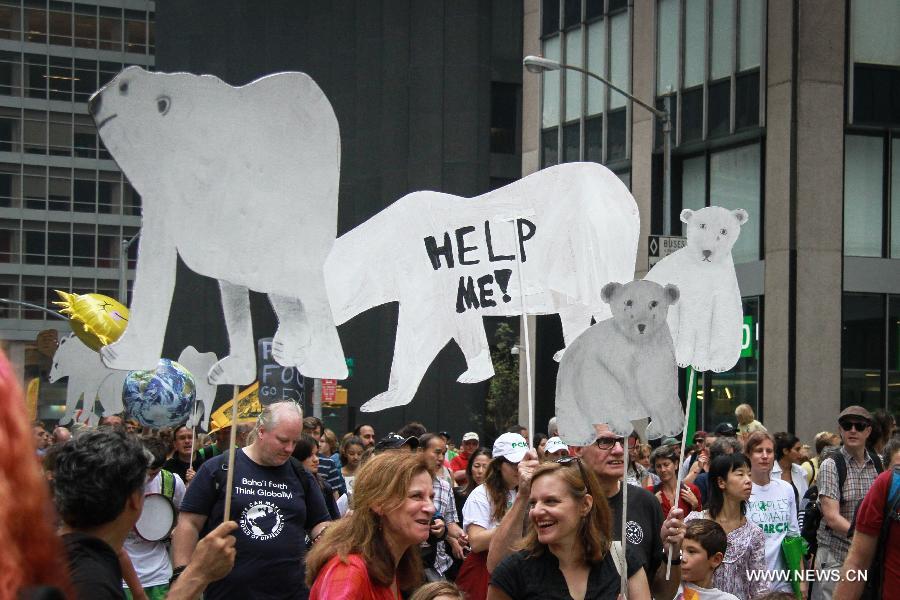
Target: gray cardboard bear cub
622, 368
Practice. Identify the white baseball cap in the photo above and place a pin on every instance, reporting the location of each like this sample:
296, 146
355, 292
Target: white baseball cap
470, 436
555, 444
510, 446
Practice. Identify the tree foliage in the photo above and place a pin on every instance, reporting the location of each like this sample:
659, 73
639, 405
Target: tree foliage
502, 405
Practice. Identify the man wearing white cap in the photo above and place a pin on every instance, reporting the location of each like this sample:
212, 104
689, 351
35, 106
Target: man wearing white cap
555, 449
460, 462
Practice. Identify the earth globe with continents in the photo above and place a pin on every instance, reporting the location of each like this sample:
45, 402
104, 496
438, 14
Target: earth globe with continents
160, 398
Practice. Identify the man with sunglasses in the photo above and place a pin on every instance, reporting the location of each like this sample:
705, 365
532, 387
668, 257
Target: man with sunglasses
646, 529
838, 502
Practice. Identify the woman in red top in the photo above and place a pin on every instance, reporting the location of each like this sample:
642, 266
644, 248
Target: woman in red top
665, 464
373, 554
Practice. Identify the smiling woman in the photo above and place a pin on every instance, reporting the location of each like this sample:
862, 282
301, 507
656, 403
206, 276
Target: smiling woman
373, 553
568, 545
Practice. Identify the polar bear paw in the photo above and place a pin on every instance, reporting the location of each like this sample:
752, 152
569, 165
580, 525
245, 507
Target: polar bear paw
480, 368
559, 354
126, 356
288, 351
388, 399
232, 370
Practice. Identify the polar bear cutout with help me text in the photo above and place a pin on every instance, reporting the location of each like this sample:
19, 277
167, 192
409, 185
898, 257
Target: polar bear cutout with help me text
449, 261
707, 324
622, 369
89, 379
242, 184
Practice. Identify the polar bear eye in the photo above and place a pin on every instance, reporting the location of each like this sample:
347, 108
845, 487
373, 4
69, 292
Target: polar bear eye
162, 104
123, 88
628, 303
723, 231
702, 225
654, 304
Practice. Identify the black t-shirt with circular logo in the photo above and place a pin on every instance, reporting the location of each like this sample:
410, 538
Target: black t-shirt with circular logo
273, 513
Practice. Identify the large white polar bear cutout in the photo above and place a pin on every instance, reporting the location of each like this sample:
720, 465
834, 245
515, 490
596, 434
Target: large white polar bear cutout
450, 261
242, 183
707, 324
89, 379
622, 369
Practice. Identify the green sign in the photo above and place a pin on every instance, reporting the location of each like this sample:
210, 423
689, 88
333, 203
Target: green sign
748, 338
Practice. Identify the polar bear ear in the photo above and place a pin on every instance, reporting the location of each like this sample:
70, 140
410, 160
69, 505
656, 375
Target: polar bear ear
609, 290
672, 293
686, 215
741, 215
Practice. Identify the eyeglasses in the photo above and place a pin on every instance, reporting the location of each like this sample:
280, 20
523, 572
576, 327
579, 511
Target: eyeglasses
567, 460
607, 443
859, 426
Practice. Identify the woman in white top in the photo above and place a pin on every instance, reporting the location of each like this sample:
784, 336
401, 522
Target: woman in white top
772, 504
485, 507
787, 464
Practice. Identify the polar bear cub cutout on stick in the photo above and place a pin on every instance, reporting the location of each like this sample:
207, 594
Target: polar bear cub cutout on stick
196, 362
89, 379
449, 261
242, 184
707, 324
622, 369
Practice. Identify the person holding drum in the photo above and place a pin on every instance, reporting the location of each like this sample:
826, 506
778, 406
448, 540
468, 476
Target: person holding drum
146, 544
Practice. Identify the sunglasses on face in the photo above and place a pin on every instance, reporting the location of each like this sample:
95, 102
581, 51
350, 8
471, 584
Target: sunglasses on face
607, 443
857, 425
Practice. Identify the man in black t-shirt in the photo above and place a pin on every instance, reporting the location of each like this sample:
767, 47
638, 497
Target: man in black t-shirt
273, 503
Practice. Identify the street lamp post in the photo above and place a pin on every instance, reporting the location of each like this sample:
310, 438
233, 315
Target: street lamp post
539, 64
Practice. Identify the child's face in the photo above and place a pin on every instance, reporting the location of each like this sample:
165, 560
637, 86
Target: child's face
696, 566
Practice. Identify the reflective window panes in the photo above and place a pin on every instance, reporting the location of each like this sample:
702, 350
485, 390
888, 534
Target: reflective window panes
720, 393
571, 142
596, 63
10, 26
875, 44
863, 194
862, 350
694, 44
734, 182
667, 36
551, 85
573, 79
619, 58
893, 362
895, 197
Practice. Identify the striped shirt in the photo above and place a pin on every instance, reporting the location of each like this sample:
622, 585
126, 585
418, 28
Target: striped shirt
860, 476
332, 475
444, 505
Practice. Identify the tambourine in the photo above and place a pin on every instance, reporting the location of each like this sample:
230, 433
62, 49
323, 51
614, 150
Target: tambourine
157, 519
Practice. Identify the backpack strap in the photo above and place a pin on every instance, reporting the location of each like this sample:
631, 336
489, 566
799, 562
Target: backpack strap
167, 484
879, 466
841, 465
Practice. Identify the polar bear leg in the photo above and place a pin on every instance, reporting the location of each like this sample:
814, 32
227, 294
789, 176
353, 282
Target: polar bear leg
292, 338
575, 319
111, 393
472, 340
419, 339
239, 367
140, 346
324, 355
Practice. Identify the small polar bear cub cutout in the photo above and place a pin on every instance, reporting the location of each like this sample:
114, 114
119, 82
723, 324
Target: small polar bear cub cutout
241, 183
707, 324
623, 368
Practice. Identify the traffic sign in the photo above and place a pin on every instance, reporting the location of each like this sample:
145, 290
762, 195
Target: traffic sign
660, 246
329, 390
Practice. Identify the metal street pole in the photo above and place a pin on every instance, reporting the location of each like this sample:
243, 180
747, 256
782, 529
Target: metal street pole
539, 64
34, 307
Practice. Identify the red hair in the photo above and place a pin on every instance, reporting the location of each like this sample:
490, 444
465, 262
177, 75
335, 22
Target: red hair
32, 553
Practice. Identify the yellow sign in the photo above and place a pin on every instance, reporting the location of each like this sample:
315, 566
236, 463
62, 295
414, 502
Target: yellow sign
248, 410
31, 397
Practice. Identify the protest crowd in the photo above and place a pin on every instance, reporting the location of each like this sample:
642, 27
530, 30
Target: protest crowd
414, 514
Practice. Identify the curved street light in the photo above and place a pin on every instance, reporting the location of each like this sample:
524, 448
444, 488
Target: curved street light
539, 64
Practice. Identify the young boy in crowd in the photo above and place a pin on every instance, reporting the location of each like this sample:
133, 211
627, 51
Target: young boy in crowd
702, 552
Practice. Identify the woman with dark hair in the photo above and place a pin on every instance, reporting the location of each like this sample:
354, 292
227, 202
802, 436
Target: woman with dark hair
539, 443
307, 453
773, 503
883, 427
352, 449
374, 552
475, 472
485, 507
568, 543
665, 464
729, 489
788, 458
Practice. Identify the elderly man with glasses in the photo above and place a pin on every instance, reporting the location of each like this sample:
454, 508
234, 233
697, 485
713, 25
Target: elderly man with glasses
844, 478
646, 531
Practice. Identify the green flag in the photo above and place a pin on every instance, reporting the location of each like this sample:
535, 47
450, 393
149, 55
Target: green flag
691, 426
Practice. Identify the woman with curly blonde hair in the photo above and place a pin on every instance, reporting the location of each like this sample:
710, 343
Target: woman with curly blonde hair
374, 552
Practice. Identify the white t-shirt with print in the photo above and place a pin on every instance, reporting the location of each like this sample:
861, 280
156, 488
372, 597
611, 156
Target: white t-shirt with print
773, 509
477, 509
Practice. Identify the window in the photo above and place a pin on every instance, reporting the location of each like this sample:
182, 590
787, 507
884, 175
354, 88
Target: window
35, 247
734, 181
135, 32
110, 29
875, 47
583, 119
504, 117
862, 350
85, 26
35, 25
863, 195
60, 19
10, 27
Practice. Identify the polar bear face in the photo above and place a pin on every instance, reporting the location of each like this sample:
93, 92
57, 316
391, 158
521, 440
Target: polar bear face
712, 231
639, 307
